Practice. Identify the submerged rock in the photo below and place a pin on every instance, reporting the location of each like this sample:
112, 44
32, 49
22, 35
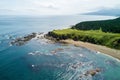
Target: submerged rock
75, 66
92, 72
57, 50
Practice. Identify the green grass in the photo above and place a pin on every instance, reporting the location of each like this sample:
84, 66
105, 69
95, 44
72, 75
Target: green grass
93, 36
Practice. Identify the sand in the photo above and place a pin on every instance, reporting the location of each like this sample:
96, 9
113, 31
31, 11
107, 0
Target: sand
98, 48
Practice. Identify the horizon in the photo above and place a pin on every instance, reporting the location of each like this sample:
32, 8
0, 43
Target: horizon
54, 7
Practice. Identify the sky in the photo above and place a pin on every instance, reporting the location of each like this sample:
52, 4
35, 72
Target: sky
54, 7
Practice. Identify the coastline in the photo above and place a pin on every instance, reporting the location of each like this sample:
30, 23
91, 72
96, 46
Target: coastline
98, 48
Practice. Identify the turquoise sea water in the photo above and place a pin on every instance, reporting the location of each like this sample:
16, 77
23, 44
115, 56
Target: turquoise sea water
35, 60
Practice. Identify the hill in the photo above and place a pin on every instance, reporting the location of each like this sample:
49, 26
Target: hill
105, 25
106, 12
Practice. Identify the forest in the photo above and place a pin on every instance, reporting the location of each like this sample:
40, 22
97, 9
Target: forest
112, 25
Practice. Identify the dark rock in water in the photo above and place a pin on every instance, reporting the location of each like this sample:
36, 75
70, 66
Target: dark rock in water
75, 66
92, 72
9, 37
57, 50
98, 70
23, 40
34, 68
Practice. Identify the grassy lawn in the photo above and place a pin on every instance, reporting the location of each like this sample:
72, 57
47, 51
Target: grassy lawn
93, 36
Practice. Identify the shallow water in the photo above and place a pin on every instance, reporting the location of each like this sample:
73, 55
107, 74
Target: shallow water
40, 60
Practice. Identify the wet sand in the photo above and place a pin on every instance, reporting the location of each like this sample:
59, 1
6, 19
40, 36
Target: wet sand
98, 48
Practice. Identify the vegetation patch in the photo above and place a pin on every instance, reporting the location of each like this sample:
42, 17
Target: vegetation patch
112, 25
93, 36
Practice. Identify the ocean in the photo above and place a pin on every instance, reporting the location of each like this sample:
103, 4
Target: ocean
35, 60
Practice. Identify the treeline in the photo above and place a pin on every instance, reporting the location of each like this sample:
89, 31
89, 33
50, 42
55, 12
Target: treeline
93, 36
105, 25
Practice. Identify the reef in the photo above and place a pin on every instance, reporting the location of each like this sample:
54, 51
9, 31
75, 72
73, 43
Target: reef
22, 40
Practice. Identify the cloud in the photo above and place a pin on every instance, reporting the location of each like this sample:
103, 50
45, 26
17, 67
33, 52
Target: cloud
54, 7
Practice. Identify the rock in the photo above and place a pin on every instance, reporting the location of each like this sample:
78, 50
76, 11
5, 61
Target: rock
92, 72
98, 70
22, 40
75, 66
53, 52
57, 50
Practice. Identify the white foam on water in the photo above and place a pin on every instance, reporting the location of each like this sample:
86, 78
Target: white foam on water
109, 56
33, 66
10, 45
98, 52
37, 51
31, 53
81, 55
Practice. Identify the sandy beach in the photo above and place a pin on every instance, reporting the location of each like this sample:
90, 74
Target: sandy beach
98, 48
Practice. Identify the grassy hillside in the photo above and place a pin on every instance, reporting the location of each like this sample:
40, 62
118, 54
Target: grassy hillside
93, 36
105, 25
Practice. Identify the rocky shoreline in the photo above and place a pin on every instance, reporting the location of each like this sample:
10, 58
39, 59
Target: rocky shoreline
98, 48
94, 47
22, 40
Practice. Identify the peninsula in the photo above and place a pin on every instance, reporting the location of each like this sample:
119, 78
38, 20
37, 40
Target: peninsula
100, 36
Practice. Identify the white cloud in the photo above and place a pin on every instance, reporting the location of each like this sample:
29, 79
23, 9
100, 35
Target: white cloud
54, 7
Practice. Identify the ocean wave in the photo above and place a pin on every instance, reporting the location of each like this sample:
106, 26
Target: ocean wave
39, 53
